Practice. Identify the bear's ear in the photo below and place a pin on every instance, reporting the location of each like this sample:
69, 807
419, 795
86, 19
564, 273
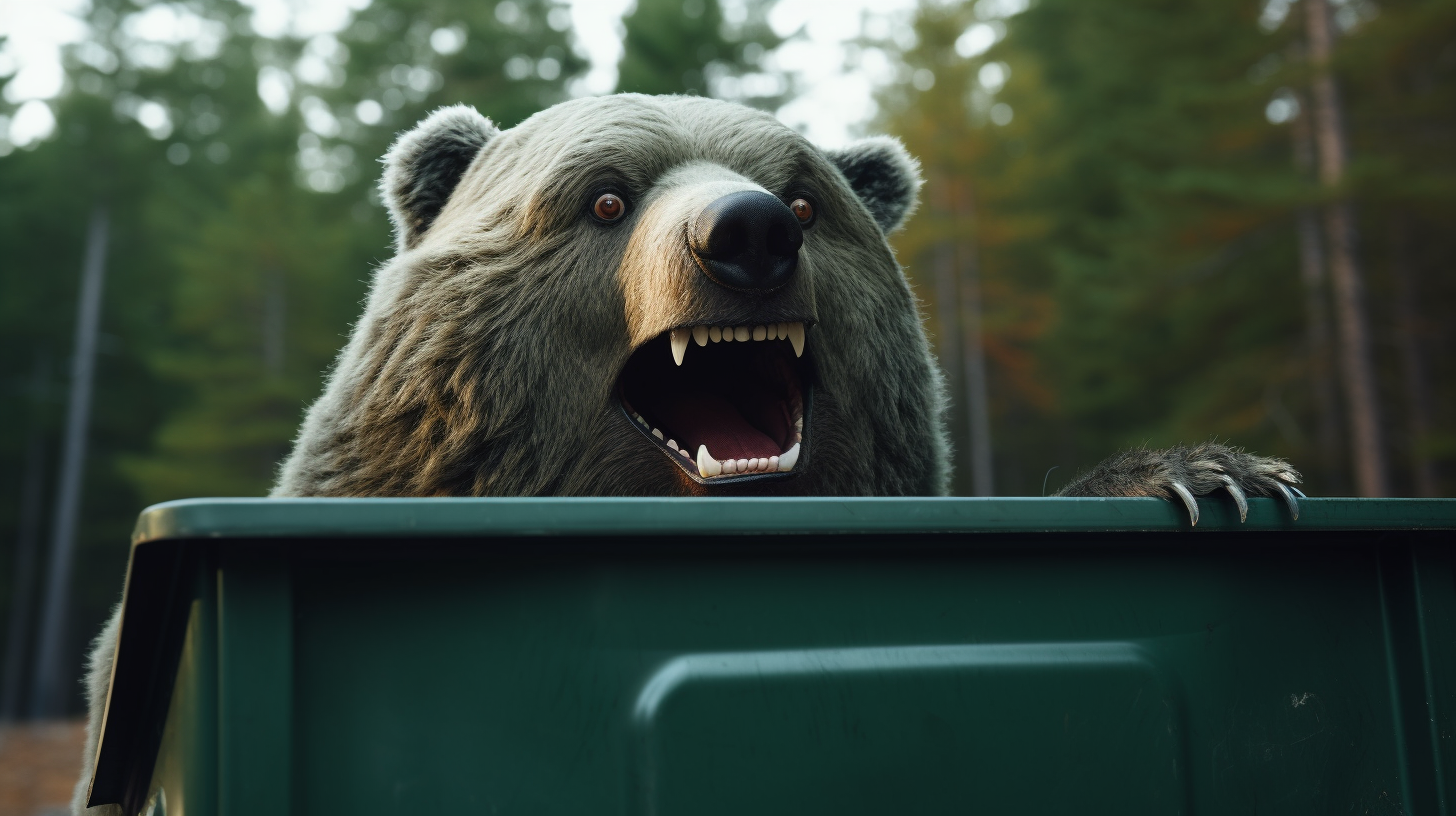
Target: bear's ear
423, 166
884, 176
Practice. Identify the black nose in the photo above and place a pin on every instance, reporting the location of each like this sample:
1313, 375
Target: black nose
747, 240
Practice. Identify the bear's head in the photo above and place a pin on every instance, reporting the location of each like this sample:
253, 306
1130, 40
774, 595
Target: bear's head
633, 295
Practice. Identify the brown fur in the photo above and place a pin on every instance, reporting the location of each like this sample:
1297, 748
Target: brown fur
485, 359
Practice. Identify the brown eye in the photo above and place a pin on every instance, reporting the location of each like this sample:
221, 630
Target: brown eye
803, 210
609, 207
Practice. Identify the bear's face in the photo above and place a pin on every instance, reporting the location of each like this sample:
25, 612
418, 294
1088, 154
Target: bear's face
633, 295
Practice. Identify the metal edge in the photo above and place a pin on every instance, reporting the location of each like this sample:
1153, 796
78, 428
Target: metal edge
227, 518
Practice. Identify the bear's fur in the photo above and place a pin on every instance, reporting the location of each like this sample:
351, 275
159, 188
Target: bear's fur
487, 357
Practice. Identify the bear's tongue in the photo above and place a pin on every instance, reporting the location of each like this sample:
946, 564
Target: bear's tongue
745, 425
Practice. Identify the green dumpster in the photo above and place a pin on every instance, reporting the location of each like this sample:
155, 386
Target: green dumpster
784, 656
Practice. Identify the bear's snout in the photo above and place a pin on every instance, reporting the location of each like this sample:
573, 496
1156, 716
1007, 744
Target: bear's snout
747, 241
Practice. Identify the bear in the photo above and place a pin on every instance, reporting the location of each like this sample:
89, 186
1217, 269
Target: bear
651, 296
678, 291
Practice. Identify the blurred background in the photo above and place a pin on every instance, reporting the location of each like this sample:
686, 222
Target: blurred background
1145, 221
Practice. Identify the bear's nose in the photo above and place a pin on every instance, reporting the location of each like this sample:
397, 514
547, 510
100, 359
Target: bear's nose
747, 241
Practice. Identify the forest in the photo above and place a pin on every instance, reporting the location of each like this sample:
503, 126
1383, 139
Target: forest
1144, 222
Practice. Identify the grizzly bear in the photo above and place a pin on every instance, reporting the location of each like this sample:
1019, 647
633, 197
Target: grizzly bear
651, 296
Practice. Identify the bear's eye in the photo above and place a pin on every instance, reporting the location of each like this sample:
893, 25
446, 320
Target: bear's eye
803, 210
609, 207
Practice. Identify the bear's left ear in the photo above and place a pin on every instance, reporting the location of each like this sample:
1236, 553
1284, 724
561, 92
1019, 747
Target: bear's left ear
425, 164
885, 177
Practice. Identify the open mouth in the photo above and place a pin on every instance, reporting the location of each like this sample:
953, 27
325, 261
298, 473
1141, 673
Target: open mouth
724, 402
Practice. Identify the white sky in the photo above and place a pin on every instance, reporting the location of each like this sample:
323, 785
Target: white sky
834, 100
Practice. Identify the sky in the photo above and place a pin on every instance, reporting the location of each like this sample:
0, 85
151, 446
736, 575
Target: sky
835, 82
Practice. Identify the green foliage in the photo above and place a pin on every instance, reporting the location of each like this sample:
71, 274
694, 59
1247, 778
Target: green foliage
1134, 220
688, 47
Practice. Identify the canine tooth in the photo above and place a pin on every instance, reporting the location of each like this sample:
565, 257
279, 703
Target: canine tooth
741, 334
759, 333
672, 444
789, 458
715, 334
707, 465
700, 335
657, 433
796, 336
773, 463
679, 344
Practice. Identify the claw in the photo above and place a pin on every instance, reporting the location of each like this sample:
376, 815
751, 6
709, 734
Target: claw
1188, 501
1243, 503
1298, 492
1289, 500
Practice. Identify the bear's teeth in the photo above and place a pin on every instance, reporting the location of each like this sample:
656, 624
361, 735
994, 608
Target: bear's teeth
680, 344
741, 334
715, 334
759, 333
700, 335
796, 336
790, 457
707, 465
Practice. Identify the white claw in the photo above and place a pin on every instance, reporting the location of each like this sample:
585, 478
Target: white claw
741, 334
700, 335
715, 334
1188, 501
1238, 494
1289, 500
760, 333
796, 336
707, 465
788, 458
679, 344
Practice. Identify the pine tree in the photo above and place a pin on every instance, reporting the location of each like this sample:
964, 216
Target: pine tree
691, 47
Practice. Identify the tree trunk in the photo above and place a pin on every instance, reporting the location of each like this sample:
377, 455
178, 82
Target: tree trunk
1351, 311
978, 410
1316, 308
54, 685
1417, 385
27, 544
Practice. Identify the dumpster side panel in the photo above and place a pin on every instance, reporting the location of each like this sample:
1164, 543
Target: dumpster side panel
255, 684
1248, 676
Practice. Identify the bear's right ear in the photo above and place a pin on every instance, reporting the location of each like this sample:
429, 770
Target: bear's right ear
425, 164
